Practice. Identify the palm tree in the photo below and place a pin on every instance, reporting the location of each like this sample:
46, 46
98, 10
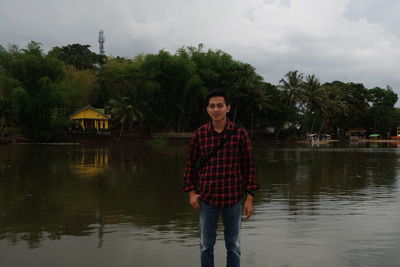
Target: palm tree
291, 87
333, 105
313, 96
125, 112
291, 91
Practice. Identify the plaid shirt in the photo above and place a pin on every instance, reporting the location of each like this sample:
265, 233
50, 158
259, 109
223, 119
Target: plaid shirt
229, 173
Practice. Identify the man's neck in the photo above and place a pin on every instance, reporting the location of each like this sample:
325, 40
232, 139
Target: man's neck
219, 125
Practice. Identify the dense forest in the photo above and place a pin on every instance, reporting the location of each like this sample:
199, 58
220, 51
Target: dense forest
166, 92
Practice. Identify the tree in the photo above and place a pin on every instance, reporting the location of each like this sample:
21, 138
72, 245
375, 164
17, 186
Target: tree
125, 112
348, 104
291, 87
173, 97
6, 58
382, 112
332, 106
33, 48
78, 55
313, 95
35, 99
7, 85
291, 95
217, 69
77, 89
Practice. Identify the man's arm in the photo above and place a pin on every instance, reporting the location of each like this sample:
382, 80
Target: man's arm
190, 174
194, 199
249, 175
248, 206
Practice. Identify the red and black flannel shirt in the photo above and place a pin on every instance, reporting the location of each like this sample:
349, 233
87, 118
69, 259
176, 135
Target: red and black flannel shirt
229, 173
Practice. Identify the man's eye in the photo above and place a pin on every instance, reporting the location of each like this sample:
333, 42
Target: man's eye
219, 106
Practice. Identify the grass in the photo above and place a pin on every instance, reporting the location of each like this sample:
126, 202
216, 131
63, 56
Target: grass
158, 142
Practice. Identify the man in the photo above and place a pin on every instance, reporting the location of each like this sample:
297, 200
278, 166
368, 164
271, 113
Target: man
225, 175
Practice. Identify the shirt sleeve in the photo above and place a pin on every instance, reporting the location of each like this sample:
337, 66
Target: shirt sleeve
190, 176
247, 162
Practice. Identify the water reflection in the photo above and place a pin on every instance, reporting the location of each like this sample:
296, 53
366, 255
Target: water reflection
89, 162
48, 192
310, 198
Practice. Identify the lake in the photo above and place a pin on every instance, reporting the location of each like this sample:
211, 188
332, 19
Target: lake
73, 205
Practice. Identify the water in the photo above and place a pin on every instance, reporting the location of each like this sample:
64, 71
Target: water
122, 206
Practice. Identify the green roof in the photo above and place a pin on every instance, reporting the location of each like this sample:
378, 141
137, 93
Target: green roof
374, 135
101, 110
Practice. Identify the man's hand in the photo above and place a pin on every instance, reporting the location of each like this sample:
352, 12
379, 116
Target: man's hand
194, 200
248, 207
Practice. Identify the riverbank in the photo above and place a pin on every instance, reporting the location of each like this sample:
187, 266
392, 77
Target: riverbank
12, 139
168, 138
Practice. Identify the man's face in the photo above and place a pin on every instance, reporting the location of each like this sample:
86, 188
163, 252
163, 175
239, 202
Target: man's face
217, 108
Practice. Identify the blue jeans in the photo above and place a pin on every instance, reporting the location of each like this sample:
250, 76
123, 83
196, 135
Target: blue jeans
232, 219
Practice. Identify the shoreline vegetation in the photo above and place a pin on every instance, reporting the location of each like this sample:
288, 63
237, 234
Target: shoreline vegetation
166, 92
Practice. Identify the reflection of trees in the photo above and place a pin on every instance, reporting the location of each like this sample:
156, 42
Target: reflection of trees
147, 181
54, 191
303, 176
42, 196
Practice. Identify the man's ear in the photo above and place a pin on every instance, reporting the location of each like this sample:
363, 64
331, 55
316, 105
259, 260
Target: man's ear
228, 108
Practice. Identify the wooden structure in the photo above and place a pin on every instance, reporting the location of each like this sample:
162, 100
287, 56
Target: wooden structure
356, 134
312, 138
397, 136
91, 118
326, 137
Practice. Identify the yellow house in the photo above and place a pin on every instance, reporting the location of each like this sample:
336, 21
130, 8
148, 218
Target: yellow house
91, 118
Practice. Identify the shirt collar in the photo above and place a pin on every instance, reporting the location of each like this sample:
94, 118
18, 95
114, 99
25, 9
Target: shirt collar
229, 126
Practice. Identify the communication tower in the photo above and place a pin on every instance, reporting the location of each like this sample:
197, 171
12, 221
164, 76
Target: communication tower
101, 42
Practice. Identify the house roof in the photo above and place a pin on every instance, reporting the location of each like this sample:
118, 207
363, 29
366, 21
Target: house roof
101, 111
374, 135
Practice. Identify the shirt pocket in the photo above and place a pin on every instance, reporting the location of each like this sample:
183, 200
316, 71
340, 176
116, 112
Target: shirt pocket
208, 145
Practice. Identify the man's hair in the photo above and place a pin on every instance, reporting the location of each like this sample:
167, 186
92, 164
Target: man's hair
218, 92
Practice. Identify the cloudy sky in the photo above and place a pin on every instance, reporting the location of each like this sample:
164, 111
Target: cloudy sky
347, 40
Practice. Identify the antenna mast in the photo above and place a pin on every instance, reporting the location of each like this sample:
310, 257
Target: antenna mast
101, 42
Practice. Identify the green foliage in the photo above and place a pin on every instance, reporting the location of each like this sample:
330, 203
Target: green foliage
77, 89
125, 112
167, 92
291, 88
383, 117
77, 55
31, 89
30, 68
158, 142
335, 107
